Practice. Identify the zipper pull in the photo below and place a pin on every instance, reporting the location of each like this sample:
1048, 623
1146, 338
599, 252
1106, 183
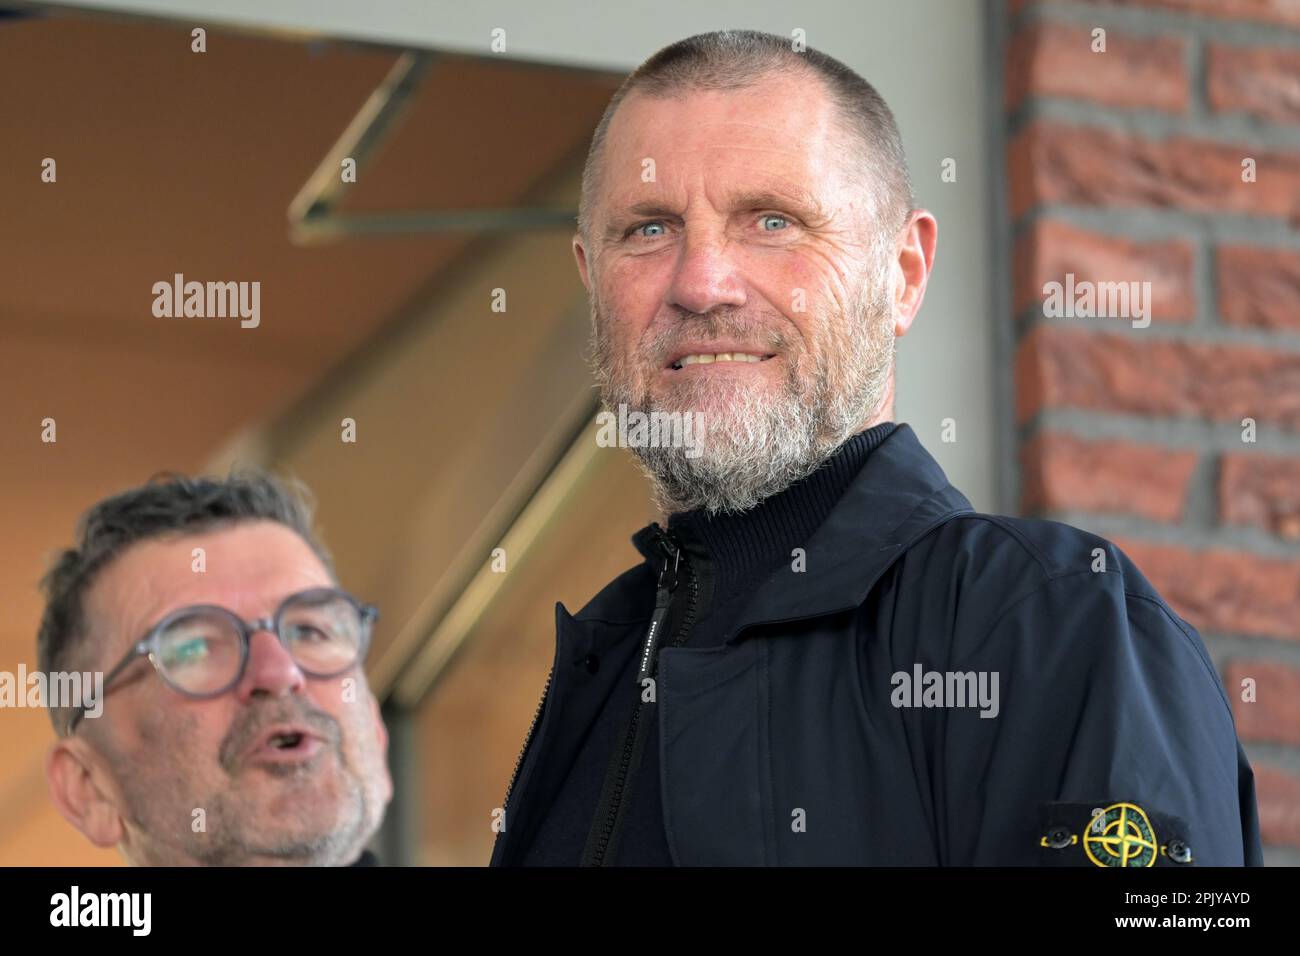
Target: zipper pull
663, 600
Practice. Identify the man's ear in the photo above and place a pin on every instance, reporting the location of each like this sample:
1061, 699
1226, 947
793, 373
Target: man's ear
80, 792
912, 269
580, 254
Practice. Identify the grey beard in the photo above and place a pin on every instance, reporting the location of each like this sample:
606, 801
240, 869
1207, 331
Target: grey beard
226, 840
762, 445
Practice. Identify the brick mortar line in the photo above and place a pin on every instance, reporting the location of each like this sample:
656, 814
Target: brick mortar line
1144, 22
1217, 439
1154, 224
1208, 313
1201, 504
1196, 62
1156, 126
1234, 538
1271, 754
1214, 334
1228, 648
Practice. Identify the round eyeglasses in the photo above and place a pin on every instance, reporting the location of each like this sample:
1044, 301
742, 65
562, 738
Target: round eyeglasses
202, 650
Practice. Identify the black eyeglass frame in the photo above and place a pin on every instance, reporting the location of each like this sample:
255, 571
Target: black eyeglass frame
148, 645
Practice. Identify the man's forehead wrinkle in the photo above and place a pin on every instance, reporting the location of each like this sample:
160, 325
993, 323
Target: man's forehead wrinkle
120, 606
797, 182
663, 145
762, 194
698, 130
790, 147
644, 135
144, 587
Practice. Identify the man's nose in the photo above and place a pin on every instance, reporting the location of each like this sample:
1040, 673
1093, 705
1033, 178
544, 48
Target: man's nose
271, 671
706, 276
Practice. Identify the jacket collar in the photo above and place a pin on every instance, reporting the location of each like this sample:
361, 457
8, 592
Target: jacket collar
899, 495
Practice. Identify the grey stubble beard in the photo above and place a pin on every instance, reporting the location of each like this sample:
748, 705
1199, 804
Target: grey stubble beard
763, 442
160, 808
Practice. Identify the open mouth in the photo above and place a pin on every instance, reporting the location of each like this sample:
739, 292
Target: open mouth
719, 358
286, 743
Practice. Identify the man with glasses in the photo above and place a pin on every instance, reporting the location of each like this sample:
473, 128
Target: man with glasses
237, 727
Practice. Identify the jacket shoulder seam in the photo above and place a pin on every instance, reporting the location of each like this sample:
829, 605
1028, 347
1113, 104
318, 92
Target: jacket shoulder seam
1050, 568
1182, 629
1016, 601
1210, 671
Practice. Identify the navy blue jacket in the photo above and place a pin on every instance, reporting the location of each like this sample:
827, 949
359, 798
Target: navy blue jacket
831, 726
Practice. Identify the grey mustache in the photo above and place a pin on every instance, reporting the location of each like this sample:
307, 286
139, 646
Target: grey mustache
245, 731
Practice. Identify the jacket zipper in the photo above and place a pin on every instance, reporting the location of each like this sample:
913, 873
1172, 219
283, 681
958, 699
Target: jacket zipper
668, 579
662, 600
528, 739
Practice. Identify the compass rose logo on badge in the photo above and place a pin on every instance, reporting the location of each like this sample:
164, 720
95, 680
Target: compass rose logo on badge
1120, 835
1109, 835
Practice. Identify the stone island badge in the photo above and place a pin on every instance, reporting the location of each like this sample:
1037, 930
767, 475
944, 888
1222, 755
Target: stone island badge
1120, 835
1111, 835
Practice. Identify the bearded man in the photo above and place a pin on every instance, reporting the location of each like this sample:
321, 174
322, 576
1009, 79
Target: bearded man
827, 655
231, 722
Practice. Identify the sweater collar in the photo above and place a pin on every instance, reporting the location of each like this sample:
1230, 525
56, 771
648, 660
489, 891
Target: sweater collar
739, 547
898, 495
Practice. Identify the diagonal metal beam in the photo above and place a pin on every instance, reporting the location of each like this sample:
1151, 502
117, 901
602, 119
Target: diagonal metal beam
438, 636
312, 216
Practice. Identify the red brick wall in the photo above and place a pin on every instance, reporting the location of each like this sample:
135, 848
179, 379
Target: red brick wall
1127, 166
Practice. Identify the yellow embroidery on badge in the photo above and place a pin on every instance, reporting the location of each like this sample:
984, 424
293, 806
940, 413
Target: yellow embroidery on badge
1120, 835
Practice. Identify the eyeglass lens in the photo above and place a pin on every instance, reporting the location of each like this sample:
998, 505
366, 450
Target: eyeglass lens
200, 652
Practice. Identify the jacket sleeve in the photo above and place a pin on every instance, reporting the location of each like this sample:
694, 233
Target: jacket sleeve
1113, 742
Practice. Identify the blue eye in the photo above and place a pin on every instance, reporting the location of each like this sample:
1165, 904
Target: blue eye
648, 225
767, 219
307, 634
192, 652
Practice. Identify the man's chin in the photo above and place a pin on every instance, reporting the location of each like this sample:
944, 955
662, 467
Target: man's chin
722, 392
322, 839
304, 851
726, 411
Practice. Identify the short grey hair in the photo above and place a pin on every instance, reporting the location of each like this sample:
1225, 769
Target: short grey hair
734, 59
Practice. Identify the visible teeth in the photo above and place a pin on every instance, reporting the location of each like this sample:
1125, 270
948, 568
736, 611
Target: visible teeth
718, 357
